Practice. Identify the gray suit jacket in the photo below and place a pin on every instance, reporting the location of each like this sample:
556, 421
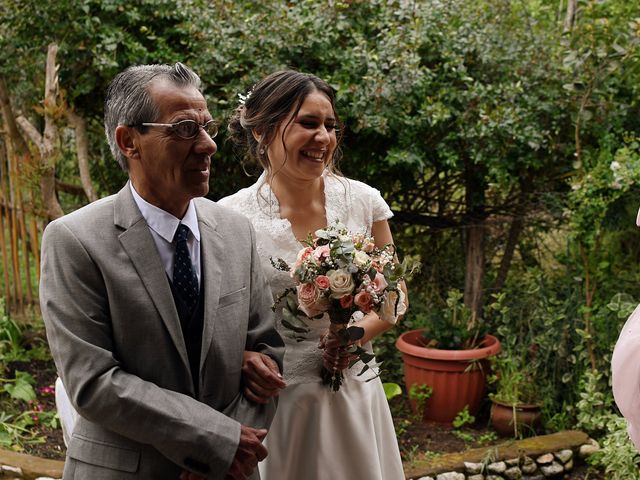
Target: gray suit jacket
116, 340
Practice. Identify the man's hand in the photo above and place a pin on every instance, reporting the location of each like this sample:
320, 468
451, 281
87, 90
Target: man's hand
250, 452
261, 377
335, 355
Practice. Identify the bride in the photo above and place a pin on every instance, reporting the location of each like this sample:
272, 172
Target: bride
288, 124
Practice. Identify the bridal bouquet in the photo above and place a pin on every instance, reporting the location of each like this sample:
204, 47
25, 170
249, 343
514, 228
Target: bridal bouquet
345, 276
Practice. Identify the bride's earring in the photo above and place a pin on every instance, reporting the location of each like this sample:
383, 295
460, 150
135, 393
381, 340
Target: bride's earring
261, 151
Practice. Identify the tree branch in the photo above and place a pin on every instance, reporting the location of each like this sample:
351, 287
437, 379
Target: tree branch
31, 132
82, 151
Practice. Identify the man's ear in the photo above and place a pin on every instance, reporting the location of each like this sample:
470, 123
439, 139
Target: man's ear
126, 141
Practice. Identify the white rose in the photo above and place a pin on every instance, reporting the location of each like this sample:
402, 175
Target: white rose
341, 283
361, 259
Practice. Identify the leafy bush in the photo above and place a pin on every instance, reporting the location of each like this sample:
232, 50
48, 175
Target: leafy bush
618, 457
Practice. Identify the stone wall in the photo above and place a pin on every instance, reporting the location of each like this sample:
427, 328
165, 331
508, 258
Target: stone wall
524, 467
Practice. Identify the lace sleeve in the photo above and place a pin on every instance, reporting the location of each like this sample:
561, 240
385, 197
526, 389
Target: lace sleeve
379, 208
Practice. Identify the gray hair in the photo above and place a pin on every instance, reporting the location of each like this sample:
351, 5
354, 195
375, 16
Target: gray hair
128, 102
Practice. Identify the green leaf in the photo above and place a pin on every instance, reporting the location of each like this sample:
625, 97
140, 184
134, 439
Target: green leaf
21, 390
391, 390
296, 328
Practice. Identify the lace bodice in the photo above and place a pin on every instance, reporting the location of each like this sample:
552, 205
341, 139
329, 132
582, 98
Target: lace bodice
353, 203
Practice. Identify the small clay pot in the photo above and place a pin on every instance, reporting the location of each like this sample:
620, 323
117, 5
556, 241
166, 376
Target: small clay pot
522, 419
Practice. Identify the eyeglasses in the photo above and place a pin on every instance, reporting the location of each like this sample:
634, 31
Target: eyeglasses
187, 129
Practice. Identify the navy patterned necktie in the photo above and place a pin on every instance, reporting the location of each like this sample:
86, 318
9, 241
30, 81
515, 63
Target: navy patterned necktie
185, 281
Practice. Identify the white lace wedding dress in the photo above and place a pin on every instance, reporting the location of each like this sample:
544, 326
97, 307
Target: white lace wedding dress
319, 434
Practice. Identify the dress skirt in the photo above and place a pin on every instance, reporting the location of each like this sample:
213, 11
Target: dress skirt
318, 434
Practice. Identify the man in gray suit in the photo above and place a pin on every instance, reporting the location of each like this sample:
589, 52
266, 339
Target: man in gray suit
152, 298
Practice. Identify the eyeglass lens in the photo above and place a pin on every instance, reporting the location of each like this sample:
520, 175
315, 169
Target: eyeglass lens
191, 128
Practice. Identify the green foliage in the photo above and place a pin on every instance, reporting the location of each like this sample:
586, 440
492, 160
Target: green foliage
20, 412
21, 387
513, 371
618, 456
488, 437
451, 327
10, 334
463, 418
464, 436
420, 393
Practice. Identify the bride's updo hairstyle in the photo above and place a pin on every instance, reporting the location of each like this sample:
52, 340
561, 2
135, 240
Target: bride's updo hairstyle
269, 104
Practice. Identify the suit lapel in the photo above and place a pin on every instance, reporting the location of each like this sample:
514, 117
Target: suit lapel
137, 242
212, 252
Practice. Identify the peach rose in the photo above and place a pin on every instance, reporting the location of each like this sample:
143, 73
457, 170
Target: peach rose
364, 301
368, 247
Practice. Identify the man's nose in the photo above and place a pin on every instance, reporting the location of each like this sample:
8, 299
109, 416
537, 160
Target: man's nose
205, 144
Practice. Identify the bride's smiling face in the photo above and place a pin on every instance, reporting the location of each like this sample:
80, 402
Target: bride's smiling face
305, 142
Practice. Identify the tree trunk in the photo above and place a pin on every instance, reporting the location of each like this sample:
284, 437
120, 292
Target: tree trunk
570, 16
515, 229
474, 270
50, 136
475, 236
19, 145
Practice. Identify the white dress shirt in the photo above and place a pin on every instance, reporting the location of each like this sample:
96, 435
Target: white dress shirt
163, 226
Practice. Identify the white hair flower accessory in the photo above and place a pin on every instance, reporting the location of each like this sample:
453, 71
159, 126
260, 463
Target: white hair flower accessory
242, 99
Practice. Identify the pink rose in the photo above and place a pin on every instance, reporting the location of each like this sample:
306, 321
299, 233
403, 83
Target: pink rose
310, 300
302, 256
322, 282
346, 301
323, 251
364, 301
379, 283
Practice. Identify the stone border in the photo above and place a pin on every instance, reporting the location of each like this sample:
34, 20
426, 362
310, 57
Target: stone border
536, 458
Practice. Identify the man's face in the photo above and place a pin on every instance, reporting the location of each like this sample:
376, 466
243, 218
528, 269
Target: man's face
168, 171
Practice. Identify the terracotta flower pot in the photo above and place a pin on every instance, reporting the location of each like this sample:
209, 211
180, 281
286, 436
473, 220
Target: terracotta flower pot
457, 377
510, 420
